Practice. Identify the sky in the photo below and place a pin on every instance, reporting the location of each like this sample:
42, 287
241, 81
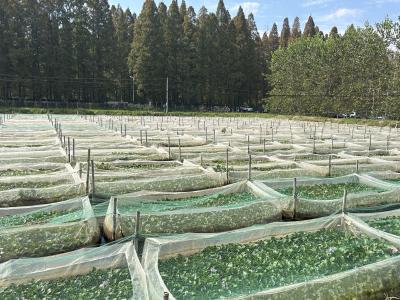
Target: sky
326, 13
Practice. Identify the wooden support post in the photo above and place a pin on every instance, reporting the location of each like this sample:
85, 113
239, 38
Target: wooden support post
125, 130
73, 150
249, 178
169, 148
294, 197
145, 137
248, 144
166, 296
141, 137
114, 224
137, 231
201, 160
272, 137
80, 171
264, 147
215, 141
330, 166
357, 166
387, 143
121, 130
88, 172
69, 150
206, 136
370, 142
93, 187
314, 151
227, 166
344, 203
180, 150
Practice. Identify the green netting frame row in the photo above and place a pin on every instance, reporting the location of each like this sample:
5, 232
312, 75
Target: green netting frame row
47, 229
372, 280
259, 210
314, 208
77, 263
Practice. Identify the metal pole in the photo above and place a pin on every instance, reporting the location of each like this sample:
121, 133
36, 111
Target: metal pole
294, 196
227, 165
137, 231
73, 150
88, 172
93, 190
69, 150
180, 151
114, 218
330, 166
344, 203
169, 148
166, 104
249, 167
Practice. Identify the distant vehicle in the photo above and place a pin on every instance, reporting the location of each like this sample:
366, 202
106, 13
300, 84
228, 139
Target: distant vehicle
341, 116
353, 115
246, 109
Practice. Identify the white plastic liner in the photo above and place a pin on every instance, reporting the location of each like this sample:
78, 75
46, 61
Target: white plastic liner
355, 283
76, 263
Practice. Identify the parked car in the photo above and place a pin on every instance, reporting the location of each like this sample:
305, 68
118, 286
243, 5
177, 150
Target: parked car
353, 115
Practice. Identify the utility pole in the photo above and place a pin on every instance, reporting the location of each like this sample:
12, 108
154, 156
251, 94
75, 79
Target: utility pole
133, 90
166, 104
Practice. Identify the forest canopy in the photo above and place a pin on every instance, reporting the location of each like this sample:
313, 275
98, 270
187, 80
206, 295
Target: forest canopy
74, 52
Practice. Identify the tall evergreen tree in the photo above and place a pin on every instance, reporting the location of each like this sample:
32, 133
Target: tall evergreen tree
334, 32
273, 38
285, 34
146, 58
309, 29
189, 57
296, 29
173, 35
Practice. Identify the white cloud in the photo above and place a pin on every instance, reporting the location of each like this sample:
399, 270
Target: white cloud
248, 7
308, 3
340, 14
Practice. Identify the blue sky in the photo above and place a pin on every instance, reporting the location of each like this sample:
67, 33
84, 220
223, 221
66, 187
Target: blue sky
326, 13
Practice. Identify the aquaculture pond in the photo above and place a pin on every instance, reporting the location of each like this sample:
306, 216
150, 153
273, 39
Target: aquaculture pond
328, 191
388, 224
214, 200
241, 269
41, 217
98, 284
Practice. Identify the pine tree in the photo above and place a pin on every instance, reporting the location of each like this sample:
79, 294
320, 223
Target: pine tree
285, 34
189, 57
146, 58
257, 62
173, 33
296, 29
225, 43
273, 38
243, 42
309, 29
334, 32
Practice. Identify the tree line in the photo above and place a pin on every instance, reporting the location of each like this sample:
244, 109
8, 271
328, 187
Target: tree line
87, 51
84, 51
325, 75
